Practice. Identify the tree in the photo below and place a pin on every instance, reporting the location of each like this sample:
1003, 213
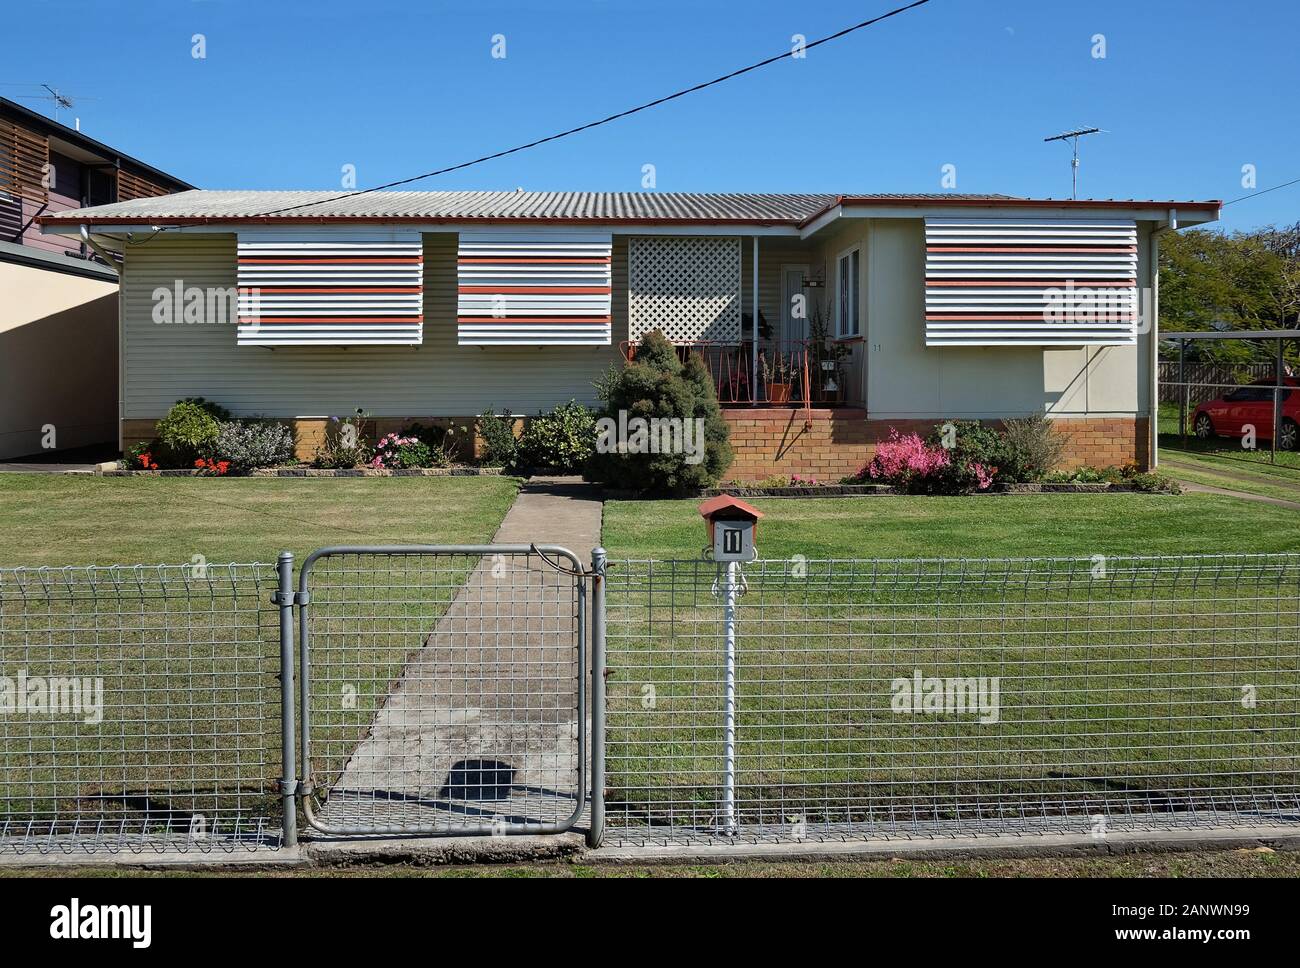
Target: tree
657, 386
1224, 281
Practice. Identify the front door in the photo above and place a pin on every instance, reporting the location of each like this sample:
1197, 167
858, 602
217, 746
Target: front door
794, 321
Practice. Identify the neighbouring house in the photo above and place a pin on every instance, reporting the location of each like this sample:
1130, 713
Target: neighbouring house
58, 301
824, 319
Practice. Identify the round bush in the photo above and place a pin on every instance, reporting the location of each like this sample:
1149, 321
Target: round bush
188, 431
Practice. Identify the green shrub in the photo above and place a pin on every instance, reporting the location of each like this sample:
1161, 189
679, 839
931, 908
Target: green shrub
188, 432
970, 444
1034, 446
1128, 474
250, 444
217, 410
657, 384
562, 440
498, 435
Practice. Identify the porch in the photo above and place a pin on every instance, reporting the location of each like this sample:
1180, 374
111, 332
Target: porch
703, 293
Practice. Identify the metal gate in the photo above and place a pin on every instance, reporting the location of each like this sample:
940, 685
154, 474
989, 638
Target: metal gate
443, 690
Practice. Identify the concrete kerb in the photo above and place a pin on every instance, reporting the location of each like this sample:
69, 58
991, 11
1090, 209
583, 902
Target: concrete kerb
954, 848
447, 851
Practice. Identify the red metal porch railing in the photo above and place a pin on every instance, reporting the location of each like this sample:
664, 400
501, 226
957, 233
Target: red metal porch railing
791, 373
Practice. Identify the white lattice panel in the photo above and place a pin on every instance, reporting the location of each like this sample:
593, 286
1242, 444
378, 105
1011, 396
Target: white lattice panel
686, 286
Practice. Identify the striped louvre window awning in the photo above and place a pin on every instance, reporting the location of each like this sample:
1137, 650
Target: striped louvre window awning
322, 290
1030, 282
520, 288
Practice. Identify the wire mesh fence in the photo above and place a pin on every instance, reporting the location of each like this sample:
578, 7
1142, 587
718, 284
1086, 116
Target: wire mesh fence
935, 698
1256, 419
444, 691
139, 708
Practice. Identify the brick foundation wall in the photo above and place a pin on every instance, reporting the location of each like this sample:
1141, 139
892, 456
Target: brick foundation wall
769, 442
774, 441
1106, 441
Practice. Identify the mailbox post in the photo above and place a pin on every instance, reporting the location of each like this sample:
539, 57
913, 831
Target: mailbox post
732, 525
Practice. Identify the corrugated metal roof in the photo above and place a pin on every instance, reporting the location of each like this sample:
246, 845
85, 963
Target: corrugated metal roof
625, 207
614, 206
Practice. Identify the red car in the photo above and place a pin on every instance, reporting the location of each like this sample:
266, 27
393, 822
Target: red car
1250, 405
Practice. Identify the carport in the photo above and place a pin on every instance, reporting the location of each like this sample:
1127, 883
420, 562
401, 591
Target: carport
1277, 338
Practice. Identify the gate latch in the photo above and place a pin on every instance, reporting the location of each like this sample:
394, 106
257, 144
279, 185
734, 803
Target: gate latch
290, 598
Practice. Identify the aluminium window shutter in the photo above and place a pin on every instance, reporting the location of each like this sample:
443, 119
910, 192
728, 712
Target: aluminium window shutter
1030, 282
326, 290
527, 288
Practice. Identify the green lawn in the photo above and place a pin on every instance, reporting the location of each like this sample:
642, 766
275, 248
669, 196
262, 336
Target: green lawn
1118, 691
187, 657
1229, 471
1228, 448
1010, 525
53, 519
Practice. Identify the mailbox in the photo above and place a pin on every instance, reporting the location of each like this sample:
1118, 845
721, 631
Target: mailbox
732, 525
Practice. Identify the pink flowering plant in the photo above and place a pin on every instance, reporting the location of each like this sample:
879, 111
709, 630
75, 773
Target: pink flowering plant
908, 462
397, 452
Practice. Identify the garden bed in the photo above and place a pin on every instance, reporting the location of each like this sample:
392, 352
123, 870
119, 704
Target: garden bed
867, 490
317, 472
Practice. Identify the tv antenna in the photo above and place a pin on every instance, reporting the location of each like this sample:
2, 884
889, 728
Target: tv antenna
1074, 161
60, 100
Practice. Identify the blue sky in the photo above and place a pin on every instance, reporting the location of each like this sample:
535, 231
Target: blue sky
289, 92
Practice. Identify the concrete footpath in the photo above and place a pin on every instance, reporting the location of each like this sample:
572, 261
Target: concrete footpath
482, 727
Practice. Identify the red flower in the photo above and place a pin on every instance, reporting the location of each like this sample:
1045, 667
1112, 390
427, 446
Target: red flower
200, 463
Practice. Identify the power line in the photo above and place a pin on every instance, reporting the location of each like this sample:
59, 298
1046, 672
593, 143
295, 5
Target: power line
1265, 191
613, 117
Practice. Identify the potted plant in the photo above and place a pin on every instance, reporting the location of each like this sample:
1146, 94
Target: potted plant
827, 358
777, 377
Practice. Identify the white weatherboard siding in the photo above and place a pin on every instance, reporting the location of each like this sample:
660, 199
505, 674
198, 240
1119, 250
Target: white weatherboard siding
165, 362
908, 379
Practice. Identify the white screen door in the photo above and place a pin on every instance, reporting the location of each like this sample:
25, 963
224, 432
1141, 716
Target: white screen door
793, 327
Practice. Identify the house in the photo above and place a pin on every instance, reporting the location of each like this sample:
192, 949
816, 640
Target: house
58, 301
873, 311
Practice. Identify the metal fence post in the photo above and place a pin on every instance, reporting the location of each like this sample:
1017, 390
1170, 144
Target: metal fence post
730, 571
288, 780
596, 829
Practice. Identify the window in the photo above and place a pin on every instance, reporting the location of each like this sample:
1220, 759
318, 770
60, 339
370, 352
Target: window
846, 292
1249, 394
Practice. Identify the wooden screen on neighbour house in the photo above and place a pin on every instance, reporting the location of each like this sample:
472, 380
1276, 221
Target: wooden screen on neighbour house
1030, 282
329, 290
521, 287
24, 163
131, 186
